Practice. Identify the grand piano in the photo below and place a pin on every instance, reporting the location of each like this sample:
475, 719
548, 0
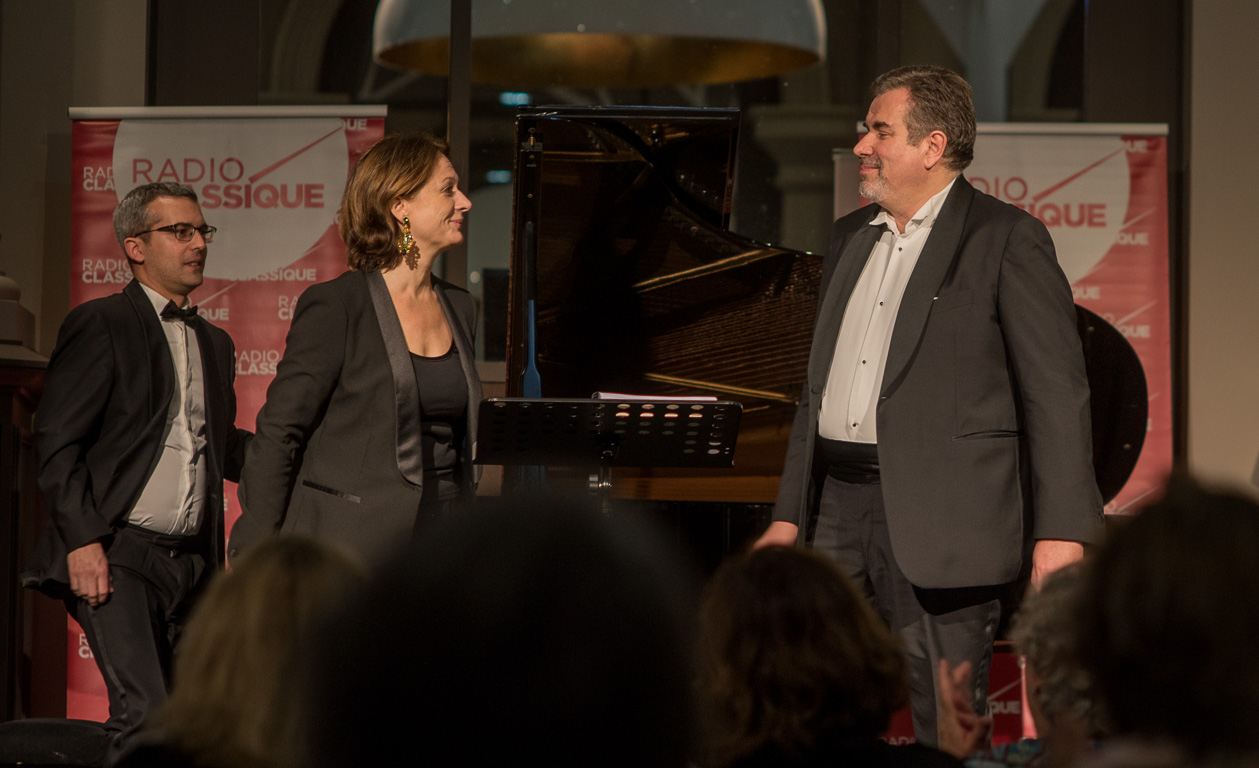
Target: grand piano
626, 278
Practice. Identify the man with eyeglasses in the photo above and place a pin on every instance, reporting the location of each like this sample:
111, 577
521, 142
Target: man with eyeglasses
135, 433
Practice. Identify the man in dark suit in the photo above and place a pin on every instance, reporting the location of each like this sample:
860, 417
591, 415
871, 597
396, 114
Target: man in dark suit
943, 433
135, 433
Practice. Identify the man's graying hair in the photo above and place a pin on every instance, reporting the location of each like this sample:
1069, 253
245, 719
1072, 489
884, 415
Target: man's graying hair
1040, 631
132, 214
939, 100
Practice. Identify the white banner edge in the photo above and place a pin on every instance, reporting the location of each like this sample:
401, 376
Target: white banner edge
202, 113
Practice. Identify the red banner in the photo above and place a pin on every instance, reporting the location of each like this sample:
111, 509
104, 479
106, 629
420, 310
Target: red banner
270, 180
1103, 197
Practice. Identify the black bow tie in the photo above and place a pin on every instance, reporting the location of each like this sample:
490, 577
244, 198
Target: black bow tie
172, 312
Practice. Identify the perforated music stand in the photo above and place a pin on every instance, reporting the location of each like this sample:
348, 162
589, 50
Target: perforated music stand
601, 434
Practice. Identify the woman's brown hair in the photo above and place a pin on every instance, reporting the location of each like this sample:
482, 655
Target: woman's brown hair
392, 168
793, 660
234, 701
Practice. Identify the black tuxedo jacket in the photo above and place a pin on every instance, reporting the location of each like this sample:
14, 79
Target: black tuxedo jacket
983, 426
98, 428
338, 453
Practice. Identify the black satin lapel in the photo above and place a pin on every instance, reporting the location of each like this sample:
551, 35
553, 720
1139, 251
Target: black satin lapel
406, 391
831, 312
157, 352
467, 358
215, 411
937, 257
212, 382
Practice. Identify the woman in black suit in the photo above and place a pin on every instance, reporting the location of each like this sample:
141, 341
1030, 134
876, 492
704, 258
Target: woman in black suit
369, 423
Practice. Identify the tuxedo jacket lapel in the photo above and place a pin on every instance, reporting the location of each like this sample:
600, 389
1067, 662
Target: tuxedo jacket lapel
467, 358
212, 383
937, 258
406, 390
834, 300
157, 359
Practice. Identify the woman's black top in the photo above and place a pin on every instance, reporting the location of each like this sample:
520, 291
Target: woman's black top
443, 422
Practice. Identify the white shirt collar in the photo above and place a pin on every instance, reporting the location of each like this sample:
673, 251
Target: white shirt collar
926, 215
159, 301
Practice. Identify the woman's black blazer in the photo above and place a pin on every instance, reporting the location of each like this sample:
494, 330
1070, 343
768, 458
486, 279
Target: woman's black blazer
337, 453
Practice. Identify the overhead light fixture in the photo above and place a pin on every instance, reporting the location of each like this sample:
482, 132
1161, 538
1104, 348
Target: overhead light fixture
598, 43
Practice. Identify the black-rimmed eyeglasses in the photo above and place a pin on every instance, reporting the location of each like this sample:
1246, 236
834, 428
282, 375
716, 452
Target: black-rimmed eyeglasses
183, 232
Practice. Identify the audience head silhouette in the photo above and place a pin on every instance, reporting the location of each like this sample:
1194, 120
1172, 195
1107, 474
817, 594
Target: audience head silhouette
234, 703
533, 630
1167, 623
794, 663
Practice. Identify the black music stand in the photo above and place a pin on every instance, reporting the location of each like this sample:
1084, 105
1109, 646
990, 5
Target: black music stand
573, 432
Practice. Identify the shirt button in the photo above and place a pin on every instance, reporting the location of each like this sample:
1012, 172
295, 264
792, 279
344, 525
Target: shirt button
854, 423
863, 362
880, 303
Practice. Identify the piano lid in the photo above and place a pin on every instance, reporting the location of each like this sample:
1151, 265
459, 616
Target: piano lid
640, 285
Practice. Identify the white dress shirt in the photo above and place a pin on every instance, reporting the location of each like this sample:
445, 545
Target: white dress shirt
172, 499
853, 385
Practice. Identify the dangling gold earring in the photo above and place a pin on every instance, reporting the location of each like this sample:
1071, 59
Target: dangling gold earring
406, 245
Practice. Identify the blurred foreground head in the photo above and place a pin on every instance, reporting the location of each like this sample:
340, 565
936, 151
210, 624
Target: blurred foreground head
536, 630
793, 661
1060, 692
233, 701
1168, 621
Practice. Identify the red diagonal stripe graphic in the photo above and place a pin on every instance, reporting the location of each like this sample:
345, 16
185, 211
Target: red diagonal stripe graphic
277, 164
1037, 197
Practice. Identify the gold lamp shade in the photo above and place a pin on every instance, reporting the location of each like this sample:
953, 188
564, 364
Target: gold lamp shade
605, 43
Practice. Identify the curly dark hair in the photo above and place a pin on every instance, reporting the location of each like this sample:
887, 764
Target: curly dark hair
392, 168
793, 660
1165, 625
939, 100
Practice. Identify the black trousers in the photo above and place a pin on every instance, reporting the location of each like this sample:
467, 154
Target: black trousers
932, 624
133, 633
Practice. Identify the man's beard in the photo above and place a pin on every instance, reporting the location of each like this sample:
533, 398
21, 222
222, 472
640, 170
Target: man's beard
873, 189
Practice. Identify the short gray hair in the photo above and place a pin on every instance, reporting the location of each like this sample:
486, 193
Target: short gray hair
1041, 632
939, 100
132, 217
